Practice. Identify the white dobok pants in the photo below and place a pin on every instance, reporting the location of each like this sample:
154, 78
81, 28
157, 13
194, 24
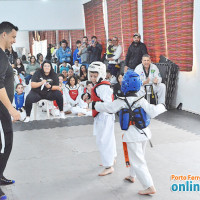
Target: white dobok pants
138, 168
105, 138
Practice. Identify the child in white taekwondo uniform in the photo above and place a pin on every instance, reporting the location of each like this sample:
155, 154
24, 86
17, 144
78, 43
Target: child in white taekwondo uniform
150, 75
136, 141
103, 122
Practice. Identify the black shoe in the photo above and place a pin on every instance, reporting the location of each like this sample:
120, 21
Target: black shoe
2, 195
4, 181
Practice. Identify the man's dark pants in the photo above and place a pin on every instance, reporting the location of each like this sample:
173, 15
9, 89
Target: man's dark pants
6, 122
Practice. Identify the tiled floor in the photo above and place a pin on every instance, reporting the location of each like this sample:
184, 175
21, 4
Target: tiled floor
62, 163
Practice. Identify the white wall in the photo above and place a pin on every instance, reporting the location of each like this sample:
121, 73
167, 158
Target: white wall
22, 40
43, 15
189, 82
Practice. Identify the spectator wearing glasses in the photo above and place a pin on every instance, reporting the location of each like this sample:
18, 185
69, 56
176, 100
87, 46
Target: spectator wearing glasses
113, 62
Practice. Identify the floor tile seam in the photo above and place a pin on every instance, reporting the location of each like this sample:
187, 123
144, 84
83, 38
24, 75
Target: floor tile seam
177, 127
177, 142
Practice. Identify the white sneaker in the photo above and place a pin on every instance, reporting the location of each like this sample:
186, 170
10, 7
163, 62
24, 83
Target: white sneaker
62, 115
27, 119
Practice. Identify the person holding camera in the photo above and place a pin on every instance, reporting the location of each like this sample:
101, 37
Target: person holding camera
83, 52
95, 50
44, 85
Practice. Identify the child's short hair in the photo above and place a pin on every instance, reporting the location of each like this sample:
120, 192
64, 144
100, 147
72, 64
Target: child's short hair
71, 69
76, 61
88, 82
18, 85
61, 75
119, 74
108, 71
78, 42
109, 40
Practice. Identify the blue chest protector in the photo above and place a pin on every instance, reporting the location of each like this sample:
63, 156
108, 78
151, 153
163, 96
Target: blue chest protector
137, 117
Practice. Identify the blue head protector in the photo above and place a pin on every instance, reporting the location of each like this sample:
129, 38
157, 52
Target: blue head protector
131, 82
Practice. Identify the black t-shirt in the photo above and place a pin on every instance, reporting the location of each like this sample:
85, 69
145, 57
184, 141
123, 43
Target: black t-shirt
38, 77
6, 76
117, 91
20, 69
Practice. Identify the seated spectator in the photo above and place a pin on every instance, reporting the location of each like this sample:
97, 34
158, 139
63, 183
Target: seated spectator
40, 58
88, 88
110, 49
111, 78
61, 79
19, 96
29, 57
64, 52
44, 85
76, 56
54, 65
73, 94
24, 61
76, 67
65, 74
83, 108
87, 91
83, 73
95, 50
71, 73
19, 100
117, 87
85, 101
20, 69
114, 61
81, 84
65, 66
62, 86
150, 75
31, 68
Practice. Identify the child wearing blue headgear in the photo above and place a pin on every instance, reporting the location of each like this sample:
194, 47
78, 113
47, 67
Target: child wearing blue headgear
135, 136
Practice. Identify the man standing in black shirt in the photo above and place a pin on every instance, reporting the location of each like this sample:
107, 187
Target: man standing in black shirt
135, 52
94, 50
7, 37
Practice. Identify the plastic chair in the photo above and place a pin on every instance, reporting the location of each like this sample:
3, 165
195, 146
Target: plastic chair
48, 104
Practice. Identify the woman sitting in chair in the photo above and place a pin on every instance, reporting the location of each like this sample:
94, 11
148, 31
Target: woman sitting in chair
44, 85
